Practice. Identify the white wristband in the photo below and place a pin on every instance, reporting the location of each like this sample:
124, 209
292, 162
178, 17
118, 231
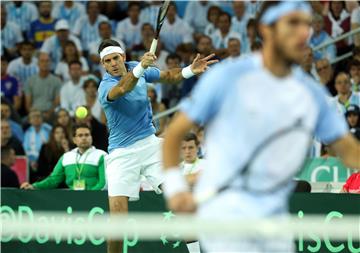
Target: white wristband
174, 182
138, 71
187, 72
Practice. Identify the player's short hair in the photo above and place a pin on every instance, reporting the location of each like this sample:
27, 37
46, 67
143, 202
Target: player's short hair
81, 125
108, 43
173, 56
191, 137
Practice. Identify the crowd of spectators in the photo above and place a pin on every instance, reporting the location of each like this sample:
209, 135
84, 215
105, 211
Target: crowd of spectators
50, 63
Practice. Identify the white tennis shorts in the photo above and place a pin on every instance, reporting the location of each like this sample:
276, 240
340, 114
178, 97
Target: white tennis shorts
126, 167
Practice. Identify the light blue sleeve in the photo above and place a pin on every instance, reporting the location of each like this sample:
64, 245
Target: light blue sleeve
103, 91
152, 74
208, 95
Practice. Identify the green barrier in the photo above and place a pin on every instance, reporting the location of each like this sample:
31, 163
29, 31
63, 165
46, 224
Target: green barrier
26, 203
328, 169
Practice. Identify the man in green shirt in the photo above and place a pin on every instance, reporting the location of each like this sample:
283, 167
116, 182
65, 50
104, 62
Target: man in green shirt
81, 168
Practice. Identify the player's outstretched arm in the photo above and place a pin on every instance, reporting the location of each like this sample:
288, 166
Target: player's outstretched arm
348, 149
129, 80
198, 66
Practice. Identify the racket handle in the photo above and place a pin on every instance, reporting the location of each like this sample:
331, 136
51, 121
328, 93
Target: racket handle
153, 46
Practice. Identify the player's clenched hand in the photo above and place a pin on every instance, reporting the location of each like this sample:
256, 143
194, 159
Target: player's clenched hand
200, 65
26, 186
182, 202
148, 59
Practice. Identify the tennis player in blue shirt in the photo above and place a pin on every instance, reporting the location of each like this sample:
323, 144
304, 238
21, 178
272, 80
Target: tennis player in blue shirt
260, 113
134, 150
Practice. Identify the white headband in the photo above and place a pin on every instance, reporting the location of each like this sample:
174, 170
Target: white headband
109, 50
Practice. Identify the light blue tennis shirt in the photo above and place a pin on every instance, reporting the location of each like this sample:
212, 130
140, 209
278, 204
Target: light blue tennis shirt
129, 117
241, 104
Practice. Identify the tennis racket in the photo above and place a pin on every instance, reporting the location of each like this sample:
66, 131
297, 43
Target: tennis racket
160, 21
271, 164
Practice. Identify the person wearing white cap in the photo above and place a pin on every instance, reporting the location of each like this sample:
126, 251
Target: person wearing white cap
54, 45
134, 150
251, 159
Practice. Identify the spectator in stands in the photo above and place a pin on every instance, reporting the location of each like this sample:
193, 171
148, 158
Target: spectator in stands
35, 136
43, 89
16, 128
10, 35
251, 37
233, 48
63, 119
175, 30
22, 13
8, 176
204, 45
7, 139
222, 35
337, 22
355, 23
25, 66
86, 27
196, 15
98, 130
129, 29
213, 17
70, 54
149, 14
54, 46
81, 168
326, 75
157, 107
352, 184
191, 164
90, 99
68, 10
10, 87
344, 96
51, 151
352, 115
308, 62
72, 91
319, 37
354, 70
240, 19
44, 27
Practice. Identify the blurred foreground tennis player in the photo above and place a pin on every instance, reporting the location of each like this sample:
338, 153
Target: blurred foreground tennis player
134, 150
259, 113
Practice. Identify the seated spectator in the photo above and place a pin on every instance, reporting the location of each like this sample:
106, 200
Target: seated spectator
251, 38
128, 30
44, 27
63, 118
222, 35
10, 87
344, 96
99, 131
54, 46
353, 119
22, 13
35, 136
307, 63
8, 176
337, 22
326, 75
149, 14
319, 37
354, 70
86, 27
7, 138
204, 46
81, 168
233, 48
240, 20
69, 11
90, 99
70, 54
43, 89
16, 128
11, 35
212, 17
196, 15
192, 164
352, 184
25, 66
51, 151
156, 107
175, 30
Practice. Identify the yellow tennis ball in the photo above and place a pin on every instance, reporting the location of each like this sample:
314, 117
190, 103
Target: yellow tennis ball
81, 112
